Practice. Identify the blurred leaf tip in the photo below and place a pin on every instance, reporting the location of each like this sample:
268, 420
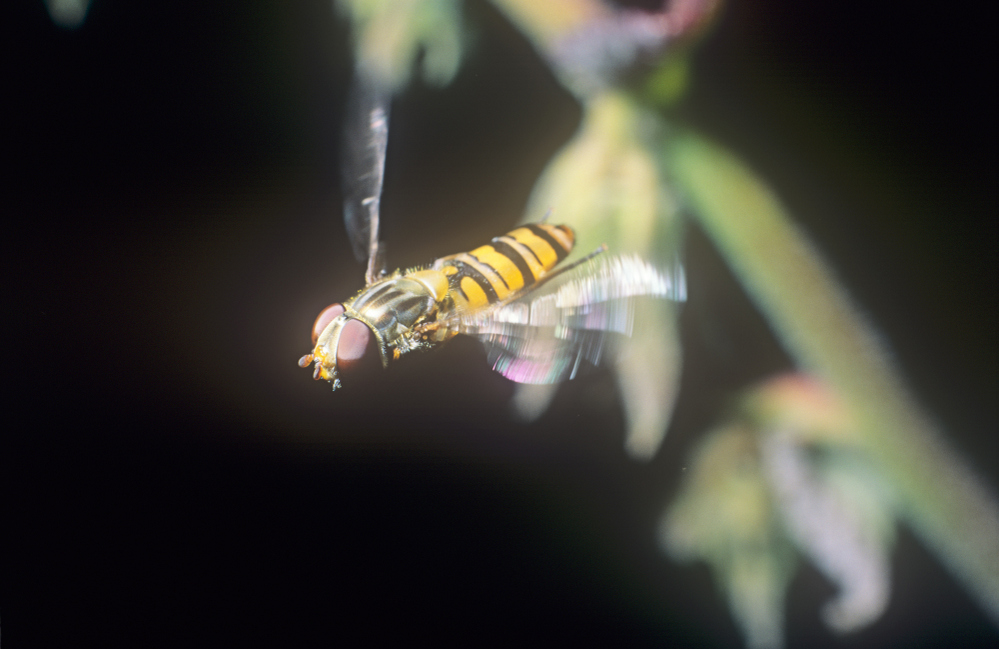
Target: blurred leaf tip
68, 14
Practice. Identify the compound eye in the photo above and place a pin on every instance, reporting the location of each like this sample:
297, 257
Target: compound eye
357, 351
325, 317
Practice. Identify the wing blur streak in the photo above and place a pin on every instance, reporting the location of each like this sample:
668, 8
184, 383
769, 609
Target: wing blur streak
363, 168
553, 334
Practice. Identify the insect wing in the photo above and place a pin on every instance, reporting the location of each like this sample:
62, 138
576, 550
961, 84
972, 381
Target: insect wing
571, 325
363, 168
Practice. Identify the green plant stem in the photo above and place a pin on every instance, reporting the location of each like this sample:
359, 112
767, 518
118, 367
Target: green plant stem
941, 498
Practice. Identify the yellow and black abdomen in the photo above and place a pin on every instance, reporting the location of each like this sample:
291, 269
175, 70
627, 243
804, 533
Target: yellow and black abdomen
505, 266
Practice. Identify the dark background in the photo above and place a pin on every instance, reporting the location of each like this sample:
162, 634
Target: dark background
170, 477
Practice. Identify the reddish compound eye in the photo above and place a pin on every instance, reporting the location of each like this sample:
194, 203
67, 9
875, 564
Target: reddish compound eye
357, 351
326, 316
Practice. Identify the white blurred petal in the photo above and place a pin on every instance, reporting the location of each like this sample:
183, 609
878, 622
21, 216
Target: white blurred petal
837, 525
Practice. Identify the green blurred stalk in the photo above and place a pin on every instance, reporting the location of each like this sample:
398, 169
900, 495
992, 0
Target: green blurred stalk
944, 502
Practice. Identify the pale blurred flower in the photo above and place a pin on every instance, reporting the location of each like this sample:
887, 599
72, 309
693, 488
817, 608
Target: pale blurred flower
786, 472
606, 183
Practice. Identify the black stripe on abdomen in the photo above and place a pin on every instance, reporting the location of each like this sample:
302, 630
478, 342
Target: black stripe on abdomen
494, 271
518, 260
464, 270
560, 251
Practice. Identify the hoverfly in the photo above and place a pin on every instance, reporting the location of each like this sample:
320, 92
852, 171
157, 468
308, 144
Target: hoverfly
540, 323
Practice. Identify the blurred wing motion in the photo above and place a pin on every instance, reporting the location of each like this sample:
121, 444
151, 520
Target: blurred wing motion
564, 328
365, 139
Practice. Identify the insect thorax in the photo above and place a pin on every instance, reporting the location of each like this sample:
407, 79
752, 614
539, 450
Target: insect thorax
398, 310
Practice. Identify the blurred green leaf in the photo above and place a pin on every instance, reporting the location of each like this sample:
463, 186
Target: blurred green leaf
607, 184
724, 515
783, 474
389, 36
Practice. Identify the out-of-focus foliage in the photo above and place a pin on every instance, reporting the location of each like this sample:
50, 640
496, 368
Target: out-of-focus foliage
785, 472
818, 472
726, 517
592, 44
608, 185
820, 326
389, 36
608, 181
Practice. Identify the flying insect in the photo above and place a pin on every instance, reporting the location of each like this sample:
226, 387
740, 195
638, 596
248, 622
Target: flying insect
541, 322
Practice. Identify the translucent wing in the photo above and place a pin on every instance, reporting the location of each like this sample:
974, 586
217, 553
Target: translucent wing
363, 168
570, 325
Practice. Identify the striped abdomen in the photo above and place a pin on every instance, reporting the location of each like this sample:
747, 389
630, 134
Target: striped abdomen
506, 265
